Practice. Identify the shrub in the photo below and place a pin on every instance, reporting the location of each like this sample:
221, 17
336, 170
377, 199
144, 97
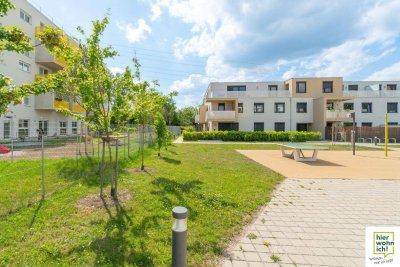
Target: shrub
187, 128
252, 136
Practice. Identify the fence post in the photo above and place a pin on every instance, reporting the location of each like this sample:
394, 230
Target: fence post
179, 234
129, 143
12, 149
116, 166
43, 189
124, 146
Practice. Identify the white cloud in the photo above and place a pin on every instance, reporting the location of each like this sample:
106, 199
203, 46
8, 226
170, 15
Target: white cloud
116, 70
135, 34
290, 73
390, 73
186, 85
155, 12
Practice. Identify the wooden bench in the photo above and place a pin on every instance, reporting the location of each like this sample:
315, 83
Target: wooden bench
297, 151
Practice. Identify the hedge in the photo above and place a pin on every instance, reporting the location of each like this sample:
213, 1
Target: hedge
252, 136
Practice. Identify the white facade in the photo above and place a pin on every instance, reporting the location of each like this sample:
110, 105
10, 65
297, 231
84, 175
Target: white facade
23, 68
322, 109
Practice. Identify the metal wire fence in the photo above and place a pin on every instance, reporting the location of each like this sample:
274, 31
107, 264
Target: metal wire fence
36, 165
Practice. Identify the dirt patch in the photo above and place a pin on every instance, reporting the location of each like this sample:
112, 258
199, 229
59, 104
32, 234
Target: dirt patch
147, 170
94, 201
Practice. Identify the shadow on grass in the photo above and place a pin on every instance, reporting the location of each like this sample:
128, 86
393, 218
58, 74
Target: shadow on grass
36, 213
171, 161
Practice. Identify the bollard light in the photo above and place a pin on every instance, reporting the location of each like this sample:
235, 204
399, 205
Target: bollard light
179, 233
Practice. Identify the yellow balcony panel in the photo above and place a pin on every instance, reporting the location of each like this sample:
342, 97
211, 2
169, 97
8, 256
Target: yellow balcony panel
39, 77
77, 108
61, 104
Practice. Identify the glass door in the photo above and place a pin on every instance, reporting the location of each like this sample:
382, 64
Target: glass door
7, 129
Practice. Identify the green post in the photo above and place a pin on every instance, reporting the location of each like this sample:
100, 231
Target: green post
386, 135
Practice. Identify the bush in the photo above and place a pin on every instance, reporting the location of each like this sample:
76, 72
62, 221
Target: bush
252, 136
187, 128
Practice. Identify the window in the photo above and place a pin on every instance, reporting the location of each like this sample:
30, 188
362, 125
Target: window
327, 87
221, 106
26, 100
25, 16
366, 107
301, 107
24, 66
236, 88
279, 126
393, 123
27, 53
258, 107
63, 128
301, 87
43, 71
353, 87
74, 127
240, 107
44, 127
330, 106
366, 124
391, 87
23, 128
392, 107
301, 127
279, 107
258, 126
348, 106
273, 87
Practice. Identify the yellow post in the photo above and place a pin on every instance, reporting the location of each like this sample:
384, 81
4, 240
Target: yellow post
386, 135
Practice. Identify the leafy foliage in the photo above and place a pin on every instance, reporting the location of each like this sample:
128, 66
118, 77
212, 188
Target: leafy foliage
252, 136
161, 131
186, 116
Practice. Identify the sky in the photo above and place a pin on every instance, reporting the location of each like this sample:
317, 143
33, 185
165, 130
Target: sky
185, 45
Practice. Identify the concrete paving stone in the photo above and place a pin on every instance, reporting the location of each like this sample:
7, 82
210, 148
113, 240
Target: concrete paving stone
255, 264
251, 256
239, 264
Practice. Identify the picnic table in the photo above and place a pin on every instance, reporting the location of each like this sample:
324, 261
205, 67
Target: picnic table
297, 151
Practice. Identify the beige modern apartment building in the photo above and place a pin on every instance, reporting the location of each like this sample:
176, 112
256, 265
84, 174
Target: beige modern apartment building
302, 104
36, 112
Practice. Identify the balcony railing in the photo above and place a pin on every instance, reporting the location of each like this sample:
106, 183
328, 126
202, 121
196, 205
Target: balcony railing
338, 115
383, 93
228, 115
244, 94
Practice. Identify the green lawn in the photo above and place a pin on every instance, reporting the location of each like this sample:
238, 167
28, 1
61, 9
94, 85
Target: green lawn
221, 189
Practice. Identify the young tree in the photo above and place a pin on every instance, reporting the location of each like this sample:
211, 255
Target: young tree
15, 40
86, 80
169, 110
186, 116
161, 132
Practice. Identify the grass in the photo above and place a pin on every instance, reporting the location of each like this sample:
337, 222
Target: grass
275, 258
220, 187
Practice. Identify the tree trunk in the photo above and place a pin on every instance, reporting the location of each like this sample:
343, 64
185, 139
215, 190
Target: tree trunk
102, 170
111, 169
114, 193
142, 145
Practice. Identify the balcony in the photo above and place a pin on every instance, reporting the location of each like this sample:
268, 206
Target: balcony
338, 115
248, 94
218, 115
372, 93
59, 104
43, 57
77, 108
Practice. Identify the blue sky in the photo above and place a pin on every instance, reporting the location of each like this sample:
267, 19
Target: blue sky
187, 44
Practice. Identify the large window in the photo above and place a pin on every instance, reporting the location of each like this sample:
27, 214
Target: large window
44, 127
221, 106
279, 107
24, 66
393, 123
301, 87
26, 100
366, 124
258, 126
258, 107
240, 107
236, 88
301, 127
63, 128
391, 87
353, 87
279, 126
74, 127
327, 87
25, 16
366, 107
23, 128
43, 71
392, 107
273, 87
348, 106
301, 107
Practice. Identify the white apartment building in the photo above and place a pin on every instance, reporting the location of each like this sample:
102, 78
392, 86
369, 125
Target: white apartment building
36, 112
302, 104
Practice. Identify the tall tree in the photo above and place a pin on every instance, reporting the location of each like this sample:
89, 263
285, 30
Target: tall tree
161, 130
169, 110
12, 39
86, 80
186, 116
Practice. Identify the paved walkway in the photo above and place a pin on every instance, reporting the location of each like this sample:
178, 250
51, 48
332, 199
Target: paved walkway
317, 222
